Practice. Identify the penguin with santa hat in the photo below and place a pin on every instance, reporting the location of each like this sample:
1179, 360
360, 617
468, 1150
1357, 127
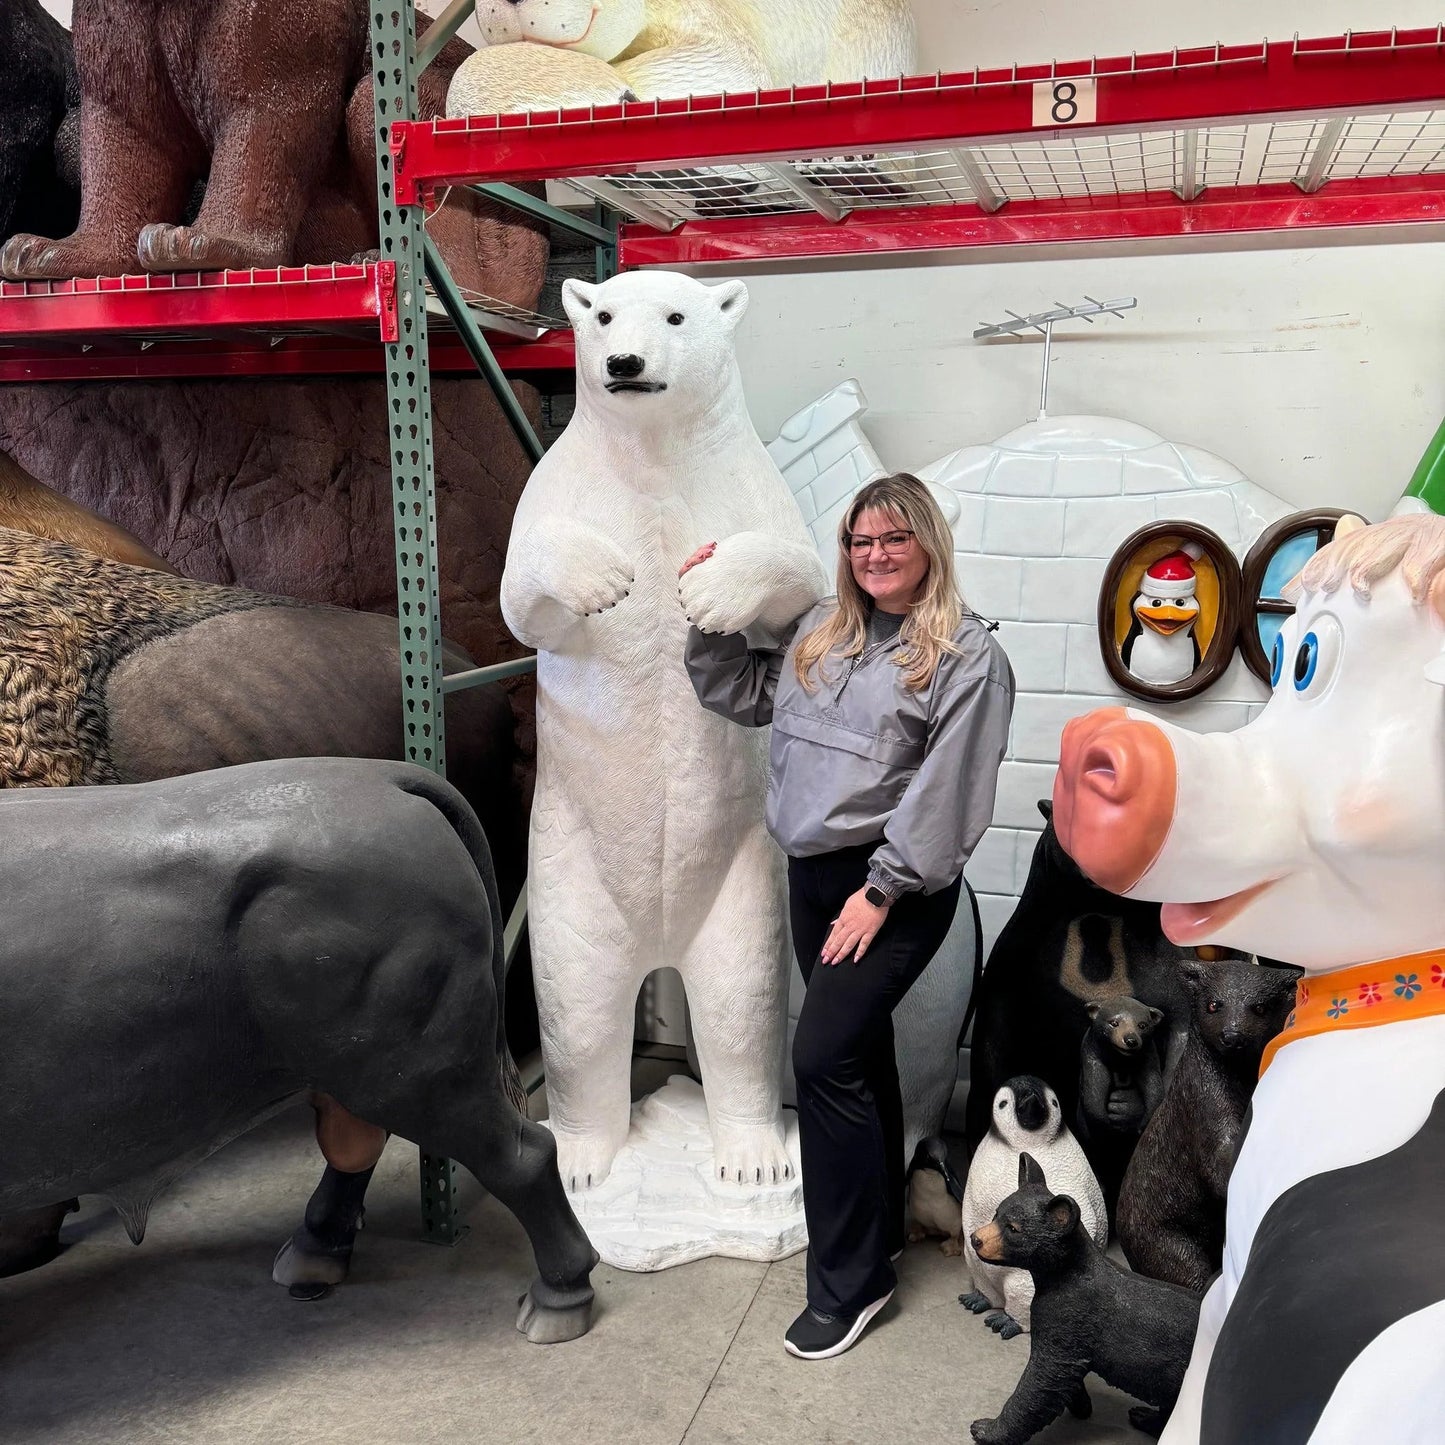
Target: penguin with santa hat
1160, 646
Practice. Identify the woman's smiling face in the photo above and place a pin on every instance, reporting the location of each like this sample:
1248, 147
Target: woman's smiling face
892, 580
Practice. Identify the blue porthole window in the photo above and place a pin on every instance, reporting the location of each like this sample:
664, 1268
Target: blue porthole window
1273, 562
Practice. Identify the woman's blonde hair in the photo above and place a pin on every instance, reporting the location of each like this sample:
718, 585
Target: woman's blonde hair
927, 630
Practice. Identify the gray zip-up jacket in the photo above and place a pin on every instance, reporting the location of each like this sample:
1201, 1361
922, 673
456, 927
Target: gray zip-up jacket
862, 758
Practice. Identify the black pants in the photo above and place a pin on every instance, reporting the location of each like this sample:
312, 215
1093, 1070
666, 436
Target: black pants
850, 1110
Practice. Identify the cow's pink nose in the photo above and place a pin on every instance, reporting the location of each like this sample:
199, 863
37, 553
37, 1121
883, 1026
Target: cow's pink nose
1114, 796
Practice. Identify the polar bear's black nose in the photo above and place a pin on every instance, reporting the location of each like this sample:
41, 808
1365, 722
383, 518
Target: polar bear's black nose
626, 367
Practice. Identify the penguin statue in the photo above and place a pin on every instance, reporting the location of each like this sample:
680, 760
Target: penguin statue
1160, 646
1025, 1117
935, 1196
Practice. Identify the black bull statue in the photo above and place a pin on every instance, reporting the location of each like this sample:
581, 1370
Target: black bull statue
181, 959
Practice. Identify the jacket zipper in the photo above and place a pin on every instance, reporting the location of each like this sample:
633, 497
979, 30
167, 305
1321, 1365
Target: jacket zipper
864, 656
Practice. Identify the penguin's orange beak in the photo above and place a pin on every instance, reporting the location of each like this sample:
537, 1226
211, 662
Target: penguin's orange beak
1166, 620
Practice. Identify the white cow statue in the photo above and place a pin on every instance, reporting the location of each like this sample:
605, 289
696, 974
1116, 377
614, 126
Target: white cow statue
1315, 835
648, 846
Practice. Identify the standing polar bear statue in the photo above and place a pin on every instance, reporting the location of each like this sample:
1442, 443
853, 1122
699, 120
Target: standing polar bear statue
542, 53
648, 847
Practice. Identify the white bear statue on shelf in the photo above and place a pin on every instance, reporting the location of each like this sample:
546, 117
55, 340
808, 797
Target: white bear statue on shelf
648, 846
659, 49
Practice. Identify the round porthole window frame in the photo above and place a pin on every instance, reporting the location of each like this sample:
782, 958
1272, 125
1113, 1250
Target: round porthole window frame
1226, 627
1256, 565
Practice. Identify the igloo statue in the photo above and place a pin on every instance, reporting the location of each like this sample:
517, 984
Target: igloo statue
1040, 513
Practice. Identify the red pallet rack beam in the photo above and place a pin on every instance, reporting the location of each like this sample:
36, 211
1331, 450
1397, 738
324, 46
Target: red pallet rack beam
198, 359
1130, 217
278, 300
1385, 70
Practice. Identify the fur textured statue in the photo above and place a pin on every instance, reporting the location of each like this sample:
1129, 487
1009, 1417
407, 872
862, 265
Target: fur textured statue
1067, 943
1026, 1117
1121, 1080
114, 673
1088, 1315
1170, 1218
39, 121
28, 505
663, 48
648, 846
269, 103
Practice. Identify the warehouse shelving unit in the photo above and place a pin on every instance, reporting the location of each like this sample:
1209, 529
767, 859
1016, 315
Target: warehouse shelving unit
285, 321
1340, 137
1310, 136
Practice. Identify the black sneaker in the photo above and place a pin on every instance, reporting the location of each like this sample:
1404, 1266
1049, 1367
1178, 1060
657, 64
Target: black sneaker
816, 1336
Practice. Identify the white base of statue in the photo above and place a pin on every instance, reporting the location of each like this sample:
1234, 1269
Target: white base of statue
661, 1205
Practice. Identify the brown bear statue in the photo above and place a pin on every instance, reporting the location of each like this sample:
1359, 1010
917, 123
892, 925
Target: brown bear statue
269, 102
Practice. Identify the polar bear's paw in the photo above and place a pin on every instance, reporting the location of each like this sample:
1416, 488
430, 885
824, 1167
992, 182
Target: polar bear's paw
590, 572
600, 590
734, 587
750, 1155
584, 1160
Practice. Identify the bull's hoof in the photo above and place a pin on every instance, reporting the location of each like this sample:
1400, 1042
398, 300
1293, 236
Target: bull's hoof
309, 1293
551, 1316
31, 1238
307, 1268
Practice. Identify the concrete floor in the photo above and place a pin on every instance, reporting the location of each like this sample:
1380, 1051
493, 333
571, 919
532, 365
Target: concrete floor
185, 1340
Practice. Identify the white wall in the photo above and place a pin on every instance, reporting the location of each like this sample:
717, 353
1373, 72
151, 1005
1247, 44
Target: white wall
1320, 373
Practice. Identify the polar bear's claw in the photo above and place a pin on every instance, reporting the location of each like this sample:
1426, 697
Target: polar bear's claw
751, 1152
584, 1162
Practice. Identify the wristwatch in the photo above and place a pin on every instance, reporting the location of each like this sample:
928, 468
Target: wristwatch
877, 897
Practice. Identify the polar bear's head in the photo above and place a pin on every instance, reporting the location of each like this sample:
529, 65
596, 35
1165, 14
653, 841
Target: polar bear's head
653, 344
604, 28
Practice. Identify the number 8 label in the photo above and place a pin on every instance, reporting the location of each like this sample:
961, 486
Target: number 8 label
1065, 102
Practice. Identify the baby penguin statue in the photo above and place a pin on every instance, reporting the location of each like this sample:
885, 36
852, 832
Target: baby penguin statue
1026, 1116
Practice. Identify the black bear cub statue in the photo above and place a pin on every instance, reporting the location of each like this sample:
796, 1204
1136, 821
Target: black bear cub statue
1121, 1076
1088, 1315
1121, 1081
1170, 1218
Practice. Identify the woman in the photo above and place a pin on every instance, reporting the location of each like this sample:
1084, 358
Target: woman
890, 709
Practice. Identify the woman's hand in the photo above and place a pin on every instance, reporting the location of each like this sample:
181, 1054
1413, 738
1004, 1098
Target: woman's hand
854, 928
701, 555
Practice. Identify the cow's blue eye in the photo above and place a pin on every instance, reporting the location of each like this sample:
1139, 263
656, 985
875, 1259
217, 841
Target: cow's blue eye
1276, 661
1306, 661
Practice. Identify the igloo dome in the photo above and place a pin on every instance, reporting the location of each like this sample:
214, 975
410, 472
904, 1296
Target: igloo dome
1036, 516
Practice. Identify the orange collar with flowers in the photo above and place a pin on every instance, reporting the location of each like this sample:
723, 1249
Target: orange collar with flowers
1386, 992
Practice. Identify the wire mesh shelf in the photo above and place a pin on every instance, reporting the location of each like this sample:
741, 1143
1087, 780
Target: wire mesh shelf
1233, 134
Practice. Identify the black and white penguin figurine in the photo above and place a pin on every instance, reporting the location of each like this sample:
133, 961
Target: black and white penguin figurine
935, 1196
1025, 1118
1160, 646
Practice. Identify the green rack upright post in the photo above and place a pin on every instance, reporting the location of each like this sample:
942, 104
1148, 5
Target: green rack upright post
413, 483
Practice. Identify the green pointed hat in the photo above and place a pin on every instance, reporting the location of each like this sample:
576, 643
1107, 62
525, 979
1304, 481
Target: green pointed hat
1426, 491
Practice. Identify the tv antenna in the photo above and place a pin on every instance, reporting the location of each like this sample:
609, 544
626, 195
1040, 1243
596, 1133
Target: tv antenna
1044, 323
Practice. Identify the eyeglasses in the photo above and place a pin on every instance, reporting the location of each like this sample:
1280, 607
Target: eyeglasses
893, 543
